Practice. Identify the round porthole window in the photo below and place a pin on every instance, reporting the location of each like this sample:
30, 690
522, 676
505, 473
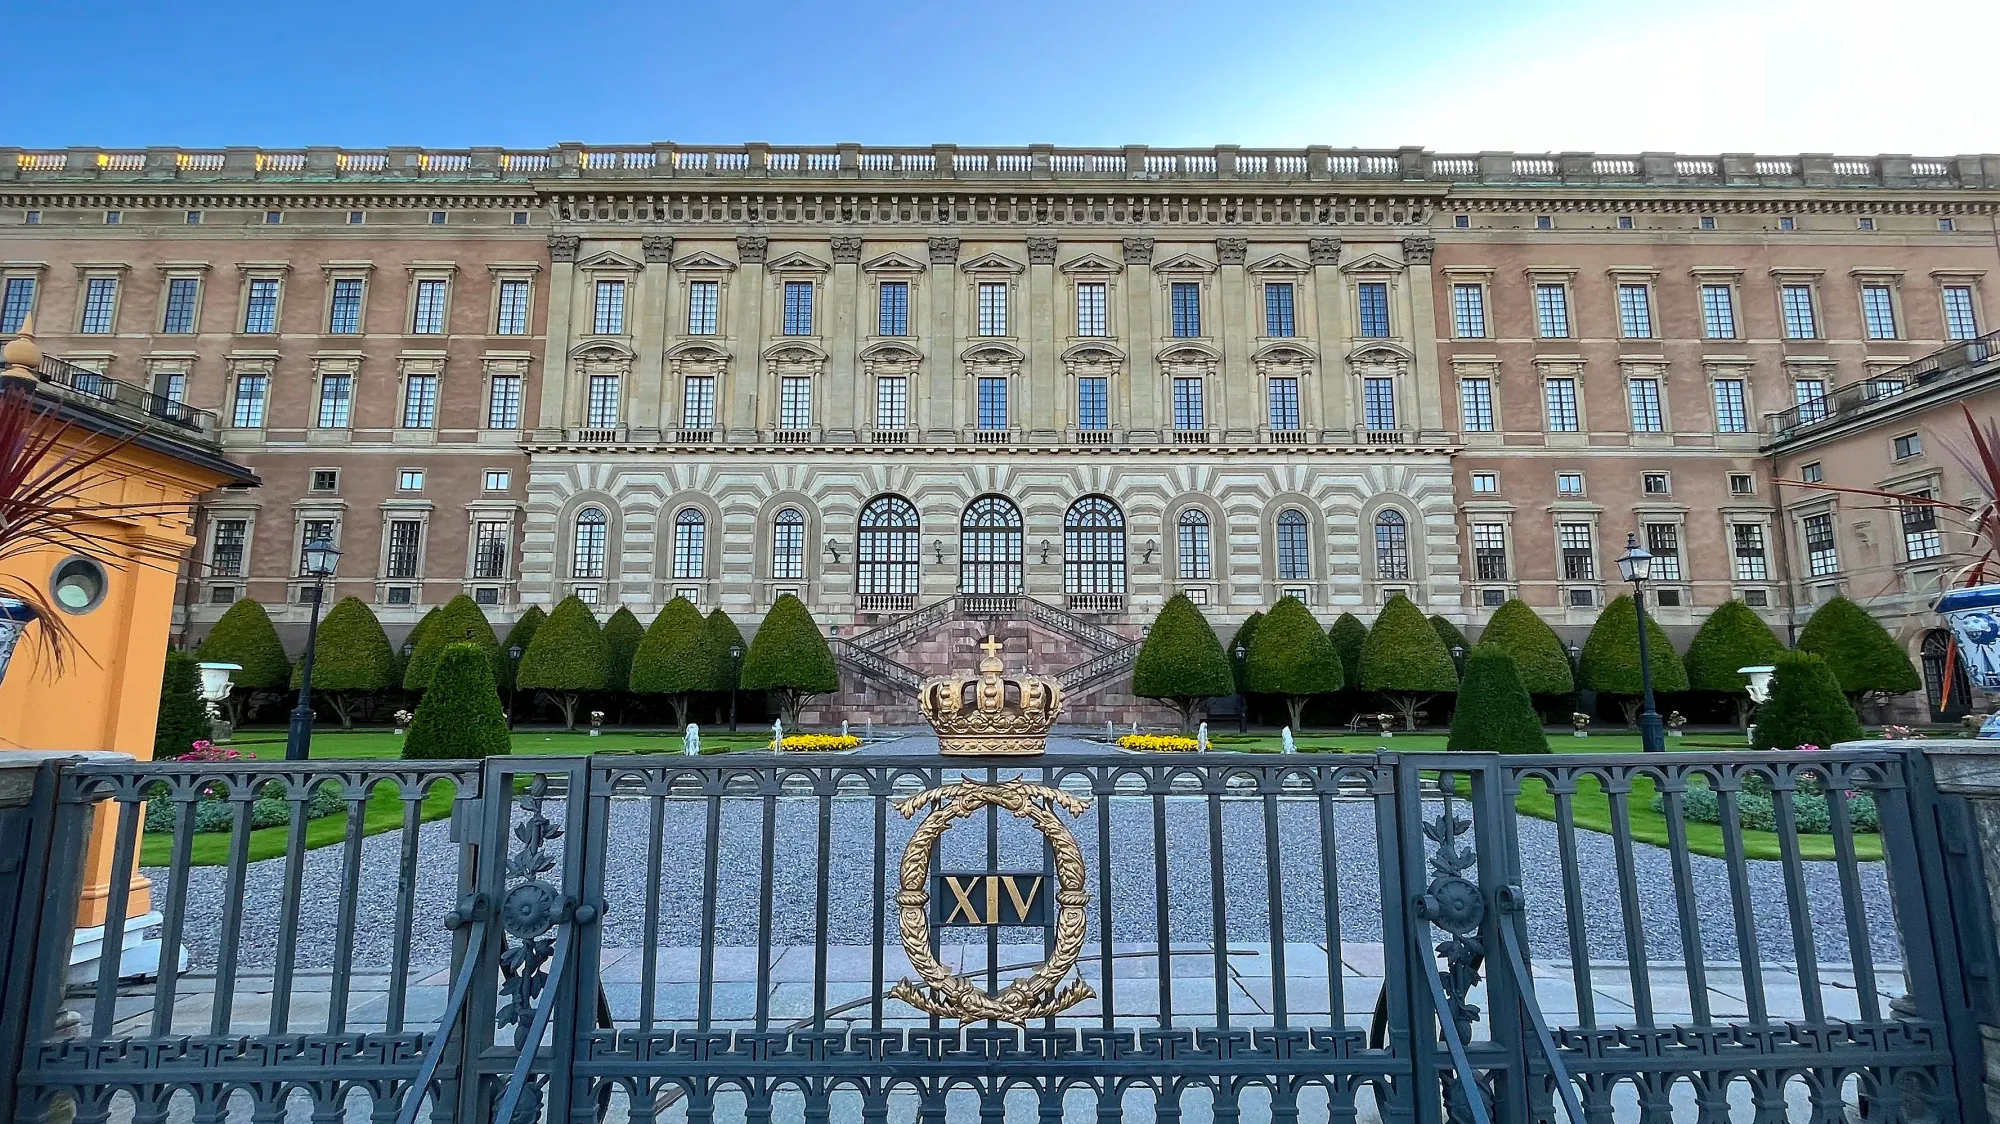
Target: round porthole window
79, 585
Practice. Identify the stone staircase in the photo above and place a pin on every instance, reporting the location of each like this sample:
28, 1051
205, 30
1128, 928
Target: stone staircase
867, 655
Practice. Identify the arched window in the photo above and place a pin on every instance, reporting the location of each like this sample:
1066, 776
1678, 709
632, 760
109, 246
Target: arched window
886, 547
1392, 547
1094, 547
690, 544
1193, 554
989, 547
1294, 546
587, 556
788, 544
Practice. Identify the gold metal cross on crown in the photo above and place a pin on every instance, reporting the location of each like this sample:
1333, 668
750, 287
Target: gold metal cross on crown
992, 646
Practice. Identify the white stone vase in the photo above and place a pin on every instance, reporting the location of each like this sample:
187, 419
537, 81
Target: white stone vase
1974, 616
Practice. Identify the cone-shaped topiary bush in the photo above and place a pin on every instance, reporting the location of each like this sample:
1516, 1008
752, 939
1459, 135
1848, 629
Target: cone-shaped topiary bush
622, 634
1806, 706
722, 635
1181, 661
1349, 635
1859, 651
458, 621
1495, 714
1290, 655
519, 636
183, 717
1240, 665
789, 658
351, 659
415, 637
1610, 662
676, 658
567, 657
244, 636
1449, 633
1733, 636
460, 716
1405, 661
1539, 656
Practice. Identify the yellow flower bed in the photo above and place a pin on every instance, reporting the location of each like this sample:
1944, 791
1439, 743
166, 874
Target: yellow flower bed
810, 743
1159, 743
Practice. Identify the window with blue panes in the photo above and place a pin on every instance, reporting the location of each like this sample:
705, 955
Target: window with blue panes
1278, 310
1187, 404
893, 309
1378, 398
260, 309
179, 317
704, 297
1284, 394
1093, 403
993, 403
99, 301
19, 301
344, 314
1187, 308
1468, 311
798, 308
1374, 310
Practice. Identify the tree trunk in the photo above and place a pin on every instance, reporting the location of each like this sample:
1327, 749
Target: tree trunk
1406, 705
789, 703
1187, 707
342, 706
1296, 706
680, 705
1630, 707
1743, 708
567, 700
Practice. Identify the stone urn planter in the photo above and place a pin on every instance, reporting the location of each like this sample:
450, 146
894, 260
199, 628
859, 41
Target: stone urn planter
1974, 616
15, 617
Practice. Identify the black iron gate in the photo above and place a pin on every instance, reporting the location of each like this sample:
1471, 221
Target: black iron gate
1254, 937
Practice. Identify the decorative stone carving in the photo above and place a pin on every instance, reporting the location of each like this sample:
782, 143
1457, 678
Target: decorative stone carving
1417, 250
1231, 251
1042, 249
659, 248
1323, 251
944, 251
846, 249
563, 247
1138, 251
751, 248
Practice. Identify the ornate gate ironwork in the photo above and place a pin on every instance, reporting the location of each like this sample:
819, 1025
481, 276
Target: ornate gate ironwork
1265, 937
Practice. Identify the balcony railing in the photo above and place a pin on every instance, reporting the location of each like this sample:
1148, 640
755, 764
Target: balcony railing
122, 398
1960, 361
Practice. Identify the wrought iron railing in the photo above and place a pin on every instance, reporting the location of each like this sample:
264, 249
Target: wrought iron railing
1951, 364
875, 665
134, 403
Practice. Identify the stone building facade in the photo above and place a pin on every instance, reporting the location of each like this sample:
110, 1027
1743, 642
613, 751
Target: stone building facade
1034, 391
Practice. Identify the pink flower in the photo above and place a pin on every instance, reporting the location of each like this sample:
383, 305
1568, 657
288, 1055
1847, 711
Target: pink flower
1807, 748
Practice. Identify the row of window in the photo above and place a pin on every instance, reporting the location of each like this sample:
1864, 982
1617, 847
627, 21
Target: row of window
402, 548
1702, 222
181, 302
271, 218
1569, 483
1798, 302
1644, 409
1917, 519
250, 399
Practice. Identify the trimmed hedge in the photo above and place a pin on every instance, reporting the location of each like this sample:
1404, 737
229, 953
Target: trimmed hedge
1290, 655
183, 717
789, 658
458, 621
1405, 661
1539, 655
244, 636
1733, 636
460, 716
622, 635
1494, 713
722, 634
1181, 661
1858, 650
414, 639
1806, 706
1610, 662
1349, 635
568, 657
1246, 633
351, 658
1449, 633
521, 635
676, 657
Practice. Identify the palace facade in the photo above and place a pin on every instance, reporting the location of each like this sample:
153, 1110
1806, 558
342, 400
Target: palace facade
1035, 391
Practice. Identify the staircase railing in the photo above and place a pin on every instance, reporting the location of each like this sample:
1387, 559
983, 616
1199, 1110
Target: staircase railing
1097, 669
1097, 636
874, 665
874, 639
862, 652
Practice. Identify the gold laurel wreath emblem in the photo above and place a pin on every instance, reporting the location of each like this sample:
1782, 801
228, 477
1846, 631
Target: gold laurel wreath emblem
1037, 994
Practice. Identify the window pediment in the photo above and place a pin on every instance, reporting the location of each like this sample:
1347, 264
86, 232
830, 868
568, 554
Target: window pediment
1287, 351
795, 351
1092, 263
1185, 263
992, 351
1188, 351
992, 263
609, 261
891, 351
697, 351
893, 263
1380, 353
1281, 263
796, 262
702, 261
1094, 352
602, 350
1373, 263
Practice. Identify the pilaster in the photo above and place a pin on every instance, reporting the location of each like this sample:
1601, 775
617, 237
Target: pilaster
944, 414
747, 371
555, 360
1326, 398
654, 297
1234, 388
1428, 407
843, 318
1141, 404
1043, 383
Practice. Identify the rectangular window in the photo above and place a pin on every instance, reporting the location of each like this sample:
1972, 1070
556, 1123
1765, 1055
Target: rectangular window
1655, 484
893, 309
1278, 319
326, 480
1552, 312
1920, 530
1186, 308
704, 298
1742, 484
1821, 558
609, 317
1864, 224
1559, 398
248, 412
1284, 403
1718, 312
420, 394
178, 320
1749, 544
788, 546
1642, 396
410, 480
1374, 310
698, 402
798, 308
489, 549
1489, 551
795, 402
1732, 415
1468, 311
1800, 323
20, 301
1090, 304
1878, 308
225, 553
1486, 483
1812, 473
1635, 312
428, 319
336, 394
170, 385
1093, 404
1810, 395
260, 309
498, 479
406, 538
892, 402
1378, 404
1569, 483
1960, 321
1907, 446
1579, 565
992, 308
513, 315
503, 402
1475, 405
1187, 404
100, 300
993, 403
343, 317
1195, 556
601, 408
1663, 542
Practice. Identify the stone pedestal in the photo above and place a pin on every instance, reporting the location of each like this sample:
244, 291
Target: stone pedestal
140, 958
1971, 768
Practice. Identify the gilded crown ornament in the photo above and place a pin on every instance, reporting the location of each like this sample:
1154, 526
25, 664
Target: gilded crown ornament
991, 712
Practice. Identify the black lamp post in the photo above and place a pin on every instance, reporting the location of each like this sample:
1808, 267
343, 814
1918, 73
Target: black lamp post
1242, 700
735, 679
317, 560
1458, 659
514, 652
1636, 566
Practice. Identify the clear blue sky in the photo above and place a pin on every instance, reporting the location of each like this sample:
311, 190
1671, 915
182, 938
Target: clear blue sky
1775, 76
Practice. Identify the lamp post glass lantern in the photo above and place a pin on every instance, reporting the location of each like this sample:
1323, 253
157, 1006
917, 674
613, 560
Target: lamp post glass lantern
317, 560
1636, 566
735, 673
1242, 698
